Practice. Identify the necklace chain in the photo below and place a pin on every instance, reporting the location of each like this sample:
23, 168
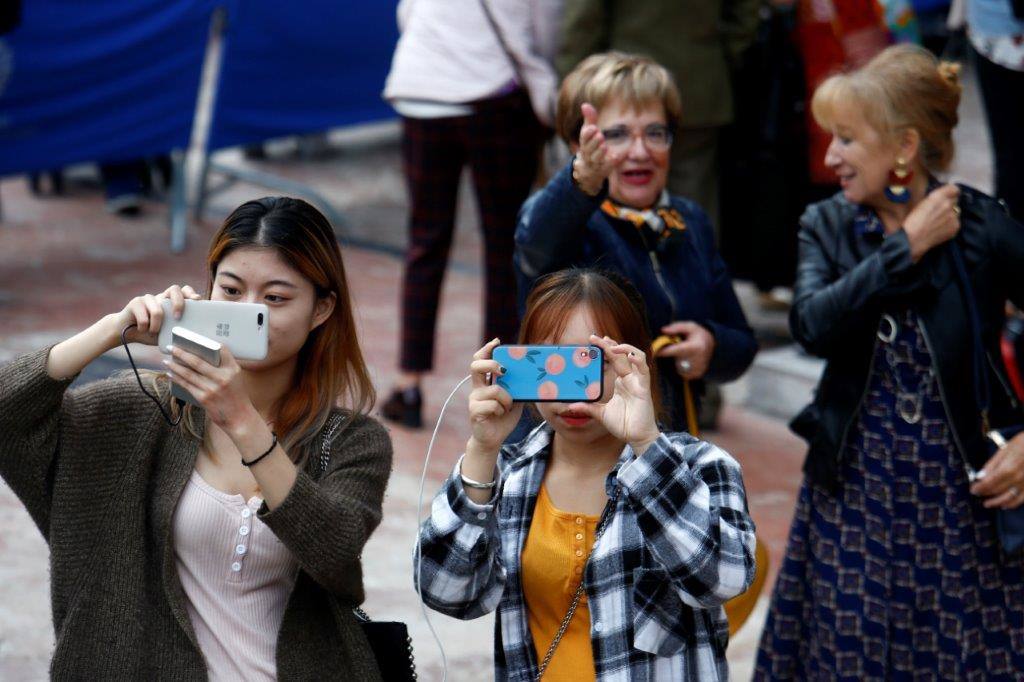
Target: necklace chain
909, 401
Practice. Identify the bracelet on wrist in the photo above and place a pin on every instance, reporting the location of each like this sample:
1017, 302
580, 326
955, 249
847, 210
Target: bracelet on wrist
470, 483
265, 454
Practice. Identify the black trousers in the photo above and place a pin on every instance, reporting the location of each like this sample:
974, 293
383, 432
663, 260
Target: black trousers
1003, 92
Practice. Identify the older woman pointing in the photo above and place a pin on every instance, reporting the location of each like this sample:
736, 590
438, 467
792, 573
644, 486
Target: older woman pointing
609, 208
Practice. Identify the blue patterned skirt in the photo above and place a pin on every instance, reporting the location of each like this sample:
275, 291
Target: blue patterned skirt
899, 575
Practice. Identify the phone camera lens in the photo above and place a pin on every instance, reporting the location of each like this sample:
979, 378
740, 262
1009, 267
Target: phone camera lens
259, 319
593, 354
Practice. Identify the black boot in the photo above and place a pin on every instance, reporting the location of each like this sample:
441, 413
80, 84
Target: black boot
405, 407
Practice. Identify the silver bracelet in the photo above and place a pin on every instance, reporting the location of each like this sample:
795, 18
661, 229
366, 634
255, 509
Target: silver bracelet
469, 482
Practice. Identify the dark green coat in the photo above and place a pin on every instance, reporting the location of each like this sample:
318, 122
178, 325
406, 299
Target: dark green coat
696, 40
100, 473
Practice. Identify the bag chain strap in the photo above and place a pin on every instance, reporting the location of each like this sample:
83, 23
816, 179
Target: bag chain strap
325, 458
325, 452
605, 518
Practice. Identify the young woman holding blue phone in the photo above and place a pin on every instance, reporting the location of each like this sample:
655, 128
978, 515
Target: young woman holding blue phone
226, 546
607, 545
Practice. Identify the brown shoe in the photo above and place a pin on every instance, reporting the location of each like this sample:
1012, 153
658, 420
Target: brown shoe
404, 406
772, 303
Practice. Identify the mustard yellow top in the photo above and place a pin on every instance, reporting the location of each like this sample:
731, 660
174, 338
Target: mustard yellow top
553, 558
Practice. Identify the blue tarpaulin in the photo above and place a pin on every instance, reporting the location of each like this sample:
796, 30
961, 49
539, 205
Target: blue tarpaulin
302, 67
102, 80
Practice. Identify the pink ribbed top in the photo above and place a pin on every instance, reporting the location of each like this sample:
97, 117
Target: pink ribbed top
237, 577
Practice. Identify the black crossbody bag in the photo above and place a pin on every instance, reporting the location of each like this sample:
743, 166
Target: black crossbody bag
389, 640
1009, 522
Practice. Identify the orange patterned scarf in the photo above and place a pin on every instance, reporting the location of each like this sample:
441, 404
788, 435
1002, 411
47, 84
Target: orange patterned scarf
662, 219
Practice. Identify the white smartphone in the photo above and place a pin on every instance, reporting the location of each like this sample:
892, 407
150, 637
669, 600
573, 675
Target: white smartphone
197, 344
241, 327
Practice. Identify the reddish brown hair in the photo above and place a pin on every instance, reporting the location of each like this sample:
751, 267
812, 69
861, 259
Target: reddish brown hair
614, 304
330, 371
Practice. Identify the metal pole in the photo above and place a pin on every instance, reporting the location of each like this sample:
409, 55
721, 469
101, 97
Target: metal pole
179, 207
201, 131
203, 121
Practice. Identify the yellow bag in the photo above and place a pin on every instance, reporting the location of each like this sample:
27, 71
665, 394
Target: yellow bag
739, 608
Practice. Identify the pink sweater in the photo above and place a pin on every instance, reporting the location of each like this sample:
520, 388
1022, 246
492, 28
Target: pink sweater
237, 577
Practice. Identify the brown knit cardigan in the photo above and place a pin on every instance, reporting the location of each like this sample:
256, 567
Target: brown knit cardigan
100, 472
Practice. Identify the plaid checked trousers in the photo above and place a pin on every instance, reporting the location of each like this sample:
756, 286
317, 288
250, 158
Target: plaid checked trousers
500, 142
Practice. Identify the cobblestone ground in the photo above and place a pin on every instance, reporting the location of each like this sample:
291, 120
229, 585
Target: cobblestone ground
64, 263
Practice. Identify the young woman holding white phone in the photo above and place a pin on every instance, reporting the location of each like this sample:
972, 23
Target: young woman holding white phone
227, 547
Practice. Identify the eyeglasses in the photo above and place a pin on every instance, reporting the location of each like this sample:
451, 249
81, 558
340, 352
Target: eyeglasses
656, 137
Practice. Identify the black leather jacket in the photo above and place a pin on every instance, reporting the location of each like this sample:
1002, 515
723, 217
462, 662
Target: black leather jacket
846, 280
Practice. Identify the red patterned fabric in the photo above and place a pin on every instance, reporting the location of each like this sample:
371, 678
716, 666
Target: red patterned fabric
1011, 360
835, 36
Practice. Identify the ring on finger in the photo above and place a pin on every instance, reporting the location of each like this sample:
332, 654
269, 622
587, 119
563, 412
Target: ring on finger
956, 211
1014, 491
684, 366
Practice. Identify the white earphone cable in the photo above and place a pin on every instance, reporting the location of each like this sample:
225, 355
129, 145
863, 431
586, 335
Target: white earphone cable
419, 523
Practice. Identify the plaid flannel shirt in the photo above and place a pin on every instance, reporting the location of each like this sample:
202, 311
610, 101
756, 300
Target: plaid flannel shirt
680, 544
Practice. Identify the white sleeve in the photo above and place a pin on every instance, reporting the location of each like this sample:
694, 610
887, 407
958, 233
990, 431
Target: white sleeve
514, 20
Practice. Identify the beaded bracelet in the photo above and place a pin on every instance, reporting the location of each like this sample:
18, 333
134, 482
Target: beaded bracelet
269, 450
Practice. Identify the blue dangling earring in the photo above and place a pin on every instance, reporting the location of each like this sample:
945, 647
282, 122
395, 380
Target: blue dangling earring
898, 189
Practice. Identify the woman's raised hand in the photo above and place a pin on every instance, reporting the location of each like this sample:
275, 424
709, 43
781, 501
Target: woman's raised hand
934, 221
70, 356
492, 414
220, 390
594, 161
629, 414
147, 314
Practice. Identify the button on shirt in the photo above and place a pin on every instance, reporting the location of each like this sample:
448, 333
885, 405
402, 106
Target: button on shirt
554, 556
236, 576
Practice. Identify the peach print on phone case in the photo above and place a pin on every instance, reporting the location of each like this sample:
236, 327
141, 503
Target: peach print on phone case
563, 373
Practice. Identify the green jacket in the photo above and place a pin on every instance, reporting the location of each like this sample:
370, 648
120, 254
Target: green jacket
696, 40
100, 473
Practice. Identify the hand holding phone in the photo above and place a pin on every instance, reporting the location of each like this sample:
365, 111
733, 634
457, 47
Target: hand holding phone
144, 315
207, 349
629, 413
207, 369
492, 414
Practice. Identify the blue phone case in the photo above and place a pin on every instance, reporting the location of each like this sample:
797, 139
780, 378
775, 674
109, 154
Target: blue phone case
565, 374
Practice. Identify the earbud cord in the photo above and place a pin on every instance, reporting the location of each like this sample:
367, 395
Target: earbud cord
167, 418
419, 523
